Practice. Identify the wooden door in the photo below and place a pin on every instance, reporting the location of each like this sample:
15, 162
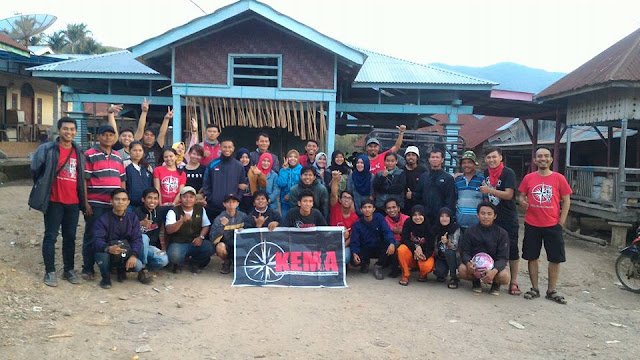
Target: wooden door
26, 105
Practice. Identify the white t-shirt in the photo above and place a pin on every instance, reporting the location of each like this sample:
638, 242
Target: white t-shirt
171, 218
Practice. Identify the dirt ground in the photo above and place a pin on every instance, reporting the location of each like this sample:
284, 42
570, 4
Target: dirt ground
203, 317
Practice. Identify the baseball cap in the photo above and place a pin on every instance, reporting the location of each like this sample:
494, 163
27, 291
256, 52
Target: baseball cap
373, 141
231, 196
187, 189
105, 128
412, 149
470, 155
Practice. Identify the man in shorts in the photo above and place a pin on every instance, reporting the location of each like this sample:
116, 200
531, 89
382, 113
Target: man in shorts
540, 195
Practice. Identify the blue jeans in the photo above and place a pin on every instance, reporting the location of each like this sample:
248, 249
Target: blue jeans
347, 254
57, 215
153, 257
200, 255
88, 254
103, 260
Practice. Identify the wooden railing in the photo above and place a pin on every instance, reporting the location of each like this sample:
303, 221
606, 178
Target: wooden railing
603, 186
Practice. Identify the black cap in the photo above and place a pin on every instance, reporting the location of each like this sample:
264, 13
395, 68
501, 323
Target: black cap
104, 128
231, 196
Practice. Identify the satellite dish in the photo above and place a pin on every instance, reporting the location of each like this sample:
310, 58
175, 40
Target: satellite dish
22, 27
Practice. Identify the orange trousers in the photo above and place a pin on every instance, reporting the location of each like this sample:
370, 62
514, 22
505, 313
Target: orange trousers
406, 260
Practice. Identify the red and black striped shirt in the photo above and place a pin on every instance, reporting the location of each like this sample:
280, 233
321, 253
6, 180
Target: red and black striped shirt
103, 173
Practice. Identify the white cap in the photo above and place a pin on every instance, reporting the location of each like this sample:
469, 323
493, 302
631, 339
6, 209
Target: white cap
412, 149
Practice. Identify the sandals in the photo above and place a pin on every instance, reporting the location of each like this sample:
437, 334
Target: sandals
423, 279
532, 294
453, 283
404, 281
514, 289
554, 296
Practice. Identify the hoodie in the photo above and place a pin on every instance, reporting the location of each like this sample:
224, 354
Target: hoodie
320, 196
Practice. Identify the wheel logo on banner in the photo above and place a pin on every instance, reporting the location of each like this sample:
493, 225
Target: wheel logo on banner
260, 263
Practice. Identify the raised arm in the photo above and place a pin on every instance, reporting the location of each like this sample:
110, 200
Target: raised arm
111, 116
194, 138
335, 186
142, 123
165, 125
396, 147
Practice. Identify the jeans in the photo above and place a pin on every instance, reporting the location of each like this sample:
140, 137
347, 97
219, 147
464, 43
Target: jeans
57, 215
378, 251
153, 257
447, 262
347, 254
200, 255
103, 260
88, 254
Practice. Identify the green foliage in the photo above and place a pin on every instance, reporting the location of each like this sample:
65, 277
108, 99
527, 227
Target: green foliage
345, 143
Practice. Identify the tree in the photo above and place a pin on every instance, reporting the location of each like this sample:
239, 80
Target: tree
91, 46
36, 40
57, 41
77, 35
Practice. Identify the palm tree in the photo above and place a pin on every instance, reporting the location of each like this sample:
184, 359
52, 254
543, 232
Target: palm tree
57, 41
77, 36
91, 46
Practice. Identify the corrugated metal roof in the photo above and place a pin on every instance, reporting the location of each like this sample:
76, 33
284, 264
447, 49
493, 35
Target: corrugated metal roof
380, 68
4, 39
620, 62
117, 62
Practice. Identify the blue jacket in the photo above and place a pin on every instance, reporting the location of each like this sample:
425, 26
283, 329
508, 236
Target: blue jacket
273, 190
222, 178
369, 235
110, 227
287, 178
137, 183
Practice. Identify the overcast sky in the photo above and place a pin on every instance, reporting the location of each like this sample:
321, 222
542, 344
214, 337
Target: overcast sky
557, 35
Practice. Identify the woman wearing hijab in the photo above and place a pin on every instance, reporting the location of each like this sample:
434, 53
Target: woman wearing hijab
447, 234
265, 165
417, 246
288, 177
339, 163
322, 172
252, 174
360, 182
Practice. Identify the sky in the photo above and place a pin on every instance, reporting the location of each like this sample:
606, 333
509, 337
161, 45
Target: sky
557, 35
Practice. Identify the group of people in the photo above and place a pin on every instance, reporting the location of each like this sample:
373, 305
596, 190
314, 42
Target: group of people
147, 206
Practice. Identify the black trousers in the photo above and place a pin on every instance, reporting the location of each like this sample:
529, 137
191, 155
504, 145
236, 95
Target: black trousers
379, 252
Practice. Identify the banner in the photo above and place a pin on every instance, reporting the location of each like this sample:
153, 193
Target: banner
309, 257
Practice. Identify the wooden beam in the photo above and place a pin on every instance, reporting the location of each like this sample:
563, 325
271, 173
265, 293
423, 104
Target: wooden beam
601, 136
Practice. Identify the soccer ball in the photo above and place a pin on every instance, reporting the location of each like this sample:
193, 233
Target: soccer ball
482, 262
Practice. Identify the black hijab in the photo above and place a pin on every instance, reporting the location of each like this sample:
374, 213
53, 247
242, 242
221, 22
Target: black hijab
420, 230
439, 230
344, 168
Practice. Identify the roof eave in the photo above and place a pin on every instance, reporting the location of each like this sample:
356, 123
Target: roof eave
94, 75
586, 89
422, 86
227, 12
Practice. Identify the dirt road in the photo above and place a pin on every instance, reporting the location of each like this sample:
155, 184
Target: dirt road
202, 317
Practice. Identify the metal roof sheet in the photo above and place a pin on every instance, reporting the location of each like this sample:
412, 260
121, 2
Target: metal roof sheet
385, 69
620, 62
117, 62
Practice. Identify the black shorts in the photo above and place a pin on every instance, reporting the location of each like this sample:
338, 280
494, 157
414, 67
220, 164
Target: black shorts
512, 231
553, 243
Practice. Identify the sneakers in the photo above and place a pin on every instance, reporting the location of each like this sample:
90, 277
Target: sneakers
105, 283
364, 268
71, 277
87, 276
144, 277
476, 287
226, 267
50, 279
495, 289
377, 273
195, 269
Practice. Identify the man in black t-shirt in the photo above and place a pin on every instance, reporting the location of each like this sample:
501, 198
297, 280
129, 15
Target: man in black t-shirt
412, 170
152, 145
500, 187
304, 215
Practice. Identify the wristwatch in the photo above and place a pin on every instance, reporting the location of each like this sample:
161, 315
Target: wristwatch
202, 237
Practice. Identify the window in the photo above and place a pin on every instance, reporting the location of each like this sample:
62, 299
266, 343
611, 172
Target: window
263, 71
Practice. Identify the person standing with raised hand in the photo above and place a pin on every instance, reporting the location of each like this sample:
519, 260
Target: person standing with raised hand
376, 159
125, 137
500, 187
541, 193
152, 145
59, 193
